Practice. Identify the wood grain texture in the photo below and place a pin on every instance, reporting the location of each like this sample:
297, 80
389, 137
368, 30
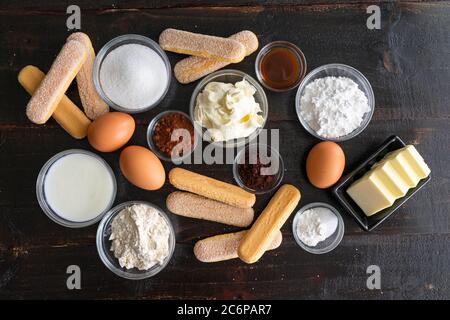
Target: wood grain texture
407, 64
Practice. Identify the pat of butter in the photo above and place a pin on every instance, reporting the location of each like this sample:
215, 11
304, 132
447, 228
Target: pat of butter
370, 194
389, 180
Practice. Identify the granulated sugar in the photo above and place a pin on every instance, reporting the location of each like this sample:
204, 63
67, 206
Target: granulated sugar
333, 106
133, 76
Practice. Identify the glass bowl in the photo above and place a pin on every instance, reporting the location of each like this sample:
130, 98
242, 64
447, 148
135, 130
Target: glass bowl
151, 128
292, 48
337, 70
230, 76
326, 245
274, 154
107, 256
115, 43
42, 200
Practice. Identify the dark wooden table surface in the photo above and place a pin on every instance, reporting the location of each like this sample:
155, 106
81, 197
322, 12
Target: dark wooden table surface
407, 62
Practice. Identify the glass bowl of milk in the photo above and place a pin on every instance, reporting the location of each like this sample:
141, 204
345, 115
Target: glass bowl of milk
75, 188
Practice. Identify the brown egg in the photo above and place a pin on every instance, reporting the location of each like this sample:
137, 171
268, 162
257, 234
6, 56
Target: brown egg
142, 168
325, 164
111, 131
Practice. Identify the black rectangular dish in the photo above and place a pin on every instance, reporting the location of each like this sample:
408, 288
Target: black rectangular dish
339, 191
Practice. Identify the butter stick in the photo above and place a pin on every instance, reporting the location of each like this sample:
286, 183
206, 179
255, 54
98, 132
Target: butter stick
211, 188
257, 239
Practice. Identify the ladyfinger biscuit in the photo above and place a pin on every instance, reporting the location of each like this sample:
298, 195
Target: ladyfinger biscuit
202, 45
194, 68
53, 87
225, 246
255, 242
194, 206
211, 188
67, 114
93, 105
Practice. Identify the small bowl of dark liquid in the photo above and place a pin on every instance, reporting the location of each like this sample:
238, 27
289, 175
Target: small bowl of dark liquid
280, 66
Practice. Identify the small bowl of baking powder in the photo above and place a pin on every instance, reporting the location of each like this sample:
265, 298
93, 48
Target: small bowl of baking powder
131, 73
335, 102
318, 228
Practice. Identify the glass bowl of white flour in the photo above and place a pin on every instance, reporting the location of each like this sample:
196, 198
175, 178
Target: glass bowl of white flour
135, 240
335, 102
318, 228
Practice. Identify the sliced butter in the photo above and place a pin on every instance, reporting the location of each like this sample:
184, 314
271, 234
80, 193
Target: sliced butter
370, 194
389, 180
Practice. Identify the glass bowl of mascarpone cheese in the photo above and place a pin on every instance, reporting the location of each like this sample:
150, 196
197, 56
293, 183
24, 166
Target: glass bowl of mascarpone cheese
335, 102
318, 228
135, 240
229, 108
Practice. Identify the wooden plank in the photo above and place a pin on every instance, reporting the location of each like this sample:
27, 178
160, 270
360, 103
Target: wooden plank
31, 6
409, 271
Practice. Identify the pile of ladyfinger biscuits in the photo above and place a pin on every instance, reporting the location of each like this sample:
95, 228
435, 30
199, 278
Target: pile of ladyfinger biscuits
48, 99
210, 199
207, 53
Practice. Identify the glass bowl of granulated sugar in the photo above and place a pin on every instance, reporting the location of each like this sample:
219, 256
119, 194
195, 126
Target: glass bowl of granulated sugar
335, 102
131, 73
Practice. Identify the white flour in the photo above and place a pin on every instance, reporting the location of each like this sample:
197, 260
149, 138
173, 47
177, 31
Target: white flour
316, 225
140, 237
333, 106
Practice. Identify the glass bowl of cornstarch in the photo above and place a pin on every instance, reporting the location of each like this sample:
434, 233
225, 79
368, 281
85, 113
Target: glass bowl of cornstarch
335, 102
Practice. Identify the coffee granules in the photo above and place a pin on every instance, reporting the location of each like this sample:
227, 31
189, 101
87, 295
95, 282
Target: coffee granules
171, 141
250, 173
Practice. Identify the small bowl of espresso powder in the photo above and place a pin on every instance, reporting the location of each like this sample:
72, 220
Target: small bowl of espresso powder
170, 135
258, 168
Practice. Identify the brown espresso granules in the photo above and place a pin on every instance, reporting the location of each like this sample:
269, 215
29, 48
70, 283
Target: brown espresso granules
174, 135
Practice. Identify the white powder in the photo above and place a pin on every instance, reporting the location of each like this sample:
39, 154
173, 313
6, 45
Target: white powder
133, 76
316, 225
140, 237
333, 106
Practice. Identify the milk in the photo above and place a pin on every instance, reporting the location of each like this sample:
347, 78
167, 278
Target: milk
78, 187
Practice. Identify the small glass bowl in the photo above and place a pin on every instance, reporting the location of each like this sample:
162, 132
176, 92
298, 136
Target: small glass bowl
107, 256
115, 43
230, 76
274, 154
328, 244
42, 200
151, 128
281, 44
337, 70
